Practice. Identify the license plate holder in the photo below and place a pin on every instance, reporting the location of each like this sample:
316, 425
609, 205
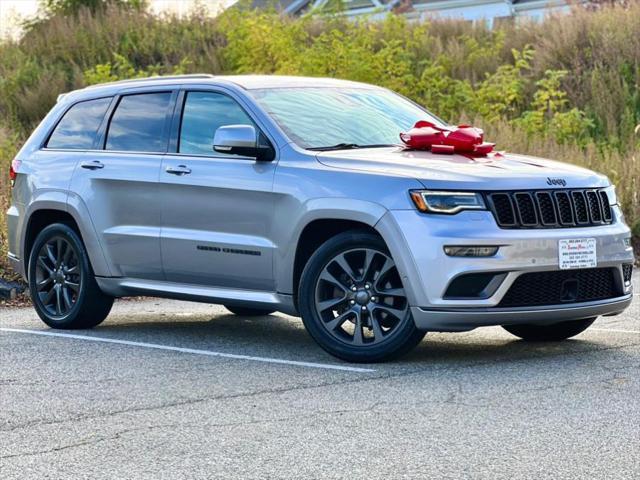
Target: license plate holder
575, 253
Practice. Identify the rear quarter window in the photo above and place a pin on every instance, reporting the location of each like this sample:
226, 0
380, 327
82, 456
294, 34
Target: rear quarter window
139, 123
78, 127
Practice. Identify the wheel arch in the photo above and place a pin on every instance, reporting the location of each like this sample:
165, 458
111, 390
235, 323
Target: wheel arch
47, 212
323, 219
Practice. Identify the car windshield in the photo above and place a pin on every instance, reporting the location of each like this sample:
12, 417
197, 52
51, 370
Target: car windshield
339, 118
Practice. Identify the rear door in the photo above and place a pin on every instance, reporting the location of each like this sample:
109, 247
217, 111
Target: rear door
118, 181
216, 209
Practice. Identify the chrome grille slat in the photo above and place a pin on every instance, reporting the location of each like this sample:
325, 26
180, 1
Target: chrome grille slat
580, 207
606, 206
546, 208
526, 209
593, 203
550, 208
565, 208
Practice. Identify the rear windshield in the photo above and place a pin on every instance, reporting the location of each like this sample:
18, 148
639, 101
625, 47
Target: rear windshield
78, 128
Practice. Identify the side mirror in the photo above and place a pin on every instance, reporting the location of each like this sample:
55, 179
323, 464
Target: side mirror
242, 140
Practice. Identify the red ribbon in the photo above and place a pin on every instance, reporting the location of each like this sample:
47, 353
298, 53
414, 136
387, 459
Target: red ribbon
448, 140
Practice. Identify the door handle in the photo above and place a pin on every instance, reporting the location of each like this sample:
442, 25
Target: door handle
179, 170
94, 165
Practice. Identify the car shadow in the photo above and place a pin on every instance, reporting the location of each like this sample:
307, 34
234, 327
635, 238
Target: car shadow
285, 337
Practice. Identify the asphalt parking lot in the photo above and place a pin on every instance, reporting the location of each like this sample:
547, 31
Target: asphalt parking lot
183, 390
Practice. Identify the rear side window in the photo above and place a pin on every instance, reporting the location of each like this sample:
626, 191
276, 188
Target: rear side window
139, 123
203, 114
78, 127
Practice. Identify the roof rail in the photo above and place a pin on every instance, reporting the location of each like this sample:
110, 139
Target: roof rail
155, 78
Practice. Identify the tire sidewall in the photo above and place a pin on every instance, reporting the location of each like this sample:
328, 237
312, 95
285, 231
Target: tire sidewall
390, 348
70, 235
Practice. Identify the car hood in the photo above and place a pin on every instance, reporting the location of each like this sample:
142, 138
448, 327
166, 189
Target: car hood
495, 172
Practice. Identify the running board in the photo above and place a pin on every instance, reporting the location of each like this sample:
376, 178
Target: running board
127, 287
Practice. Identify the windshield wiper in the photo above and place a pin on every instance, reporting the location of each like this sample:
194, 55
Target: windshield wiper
350, 146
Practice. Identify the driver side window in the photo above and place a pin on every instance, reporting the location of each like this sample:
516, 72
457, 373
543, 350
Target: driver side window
202, 115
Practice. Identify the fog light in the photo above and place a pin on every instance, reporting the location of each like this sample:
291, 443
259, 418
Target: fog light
466, 251
627, 241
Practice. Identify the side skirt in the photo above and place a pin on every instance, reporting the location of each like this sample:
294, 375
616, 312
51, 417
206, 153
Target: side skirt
128, 287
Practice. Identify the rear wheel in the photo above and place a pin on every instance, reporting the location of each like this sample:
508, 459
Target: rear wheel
62, 285
353, 302
550, 333
248, 312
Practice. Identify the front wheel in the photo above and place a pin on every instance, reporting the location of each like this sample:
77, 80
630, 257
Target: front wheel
550, 333
61, 282
353, 302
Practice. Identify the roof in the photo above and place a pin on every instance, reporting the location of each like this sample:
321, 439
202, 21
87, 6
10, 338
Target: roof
251, 82
248, 82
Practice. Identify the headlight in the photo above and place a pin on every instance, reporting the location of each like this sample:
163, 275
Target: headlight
434, 201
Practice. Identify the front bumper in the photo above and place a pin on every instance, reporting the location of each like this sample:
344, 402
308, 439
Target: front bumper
417, 244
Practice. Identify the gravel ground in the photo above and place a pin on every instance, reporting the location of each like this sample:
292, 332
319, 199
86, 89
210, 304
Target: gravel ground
160, 403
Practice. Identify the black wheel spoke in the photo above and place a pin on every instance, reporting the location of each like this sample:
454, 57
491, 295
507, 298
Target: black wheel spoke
67, 298
43, 264
331, 303
73, 286
344, 265
376, 327
44, 283
329, 277
386, 268
67, 255
48, 296
50, 255
339, 320
367, 269
60, 246
58, 300
358, 337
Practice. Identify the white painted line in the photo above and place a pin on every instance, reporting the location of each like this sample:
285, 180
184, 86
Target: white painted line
614, 330
194, 351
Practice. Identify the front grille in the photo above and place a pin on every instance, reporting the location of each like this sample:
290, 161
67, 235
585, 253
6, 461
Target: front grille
561, 287
627, 270
550, 208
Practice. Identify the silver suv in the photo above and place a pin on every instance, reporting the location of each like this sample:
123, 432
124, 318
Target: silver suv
266, 193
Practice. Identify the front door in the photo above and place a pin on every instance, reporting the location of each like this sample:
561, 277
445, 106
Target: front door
216, 208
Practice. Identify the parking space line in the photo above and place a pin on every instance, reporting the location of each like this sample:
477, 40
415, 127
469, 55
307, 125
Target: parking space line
614, 330
194, 351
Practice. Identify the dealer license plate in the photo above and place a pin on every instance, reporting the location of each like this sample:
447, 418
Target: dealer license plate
577, 253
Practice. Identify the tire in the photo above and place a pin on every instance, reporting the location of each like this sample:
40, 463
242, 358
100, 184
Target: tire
549, 333
372, 323
61, 282
248, 311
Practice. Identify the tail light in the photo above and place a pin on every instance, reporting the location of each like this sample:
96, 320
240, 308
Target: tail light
13, 170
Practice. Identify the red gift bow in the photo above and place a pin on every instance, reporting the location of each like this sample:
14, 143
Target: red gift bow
449, 140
